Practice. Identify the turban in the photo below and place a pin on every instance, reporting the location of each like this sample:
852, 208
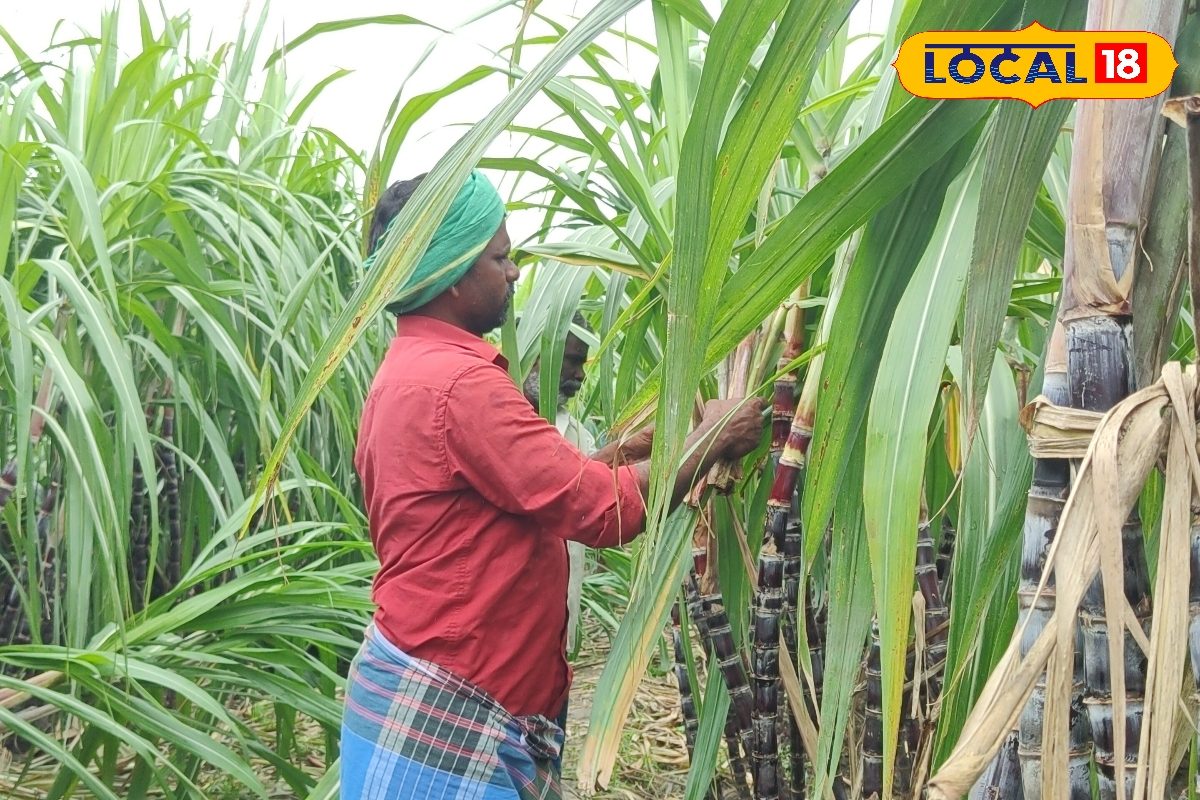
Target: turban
472, 221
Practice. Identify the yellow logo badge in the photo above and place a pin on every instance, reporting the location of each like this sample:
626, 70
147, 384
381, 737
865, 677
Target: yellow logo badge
1035, 64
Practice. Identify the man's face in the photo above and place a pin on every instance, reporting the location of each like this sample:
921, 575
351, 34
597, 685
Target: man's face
575, 353
485, 292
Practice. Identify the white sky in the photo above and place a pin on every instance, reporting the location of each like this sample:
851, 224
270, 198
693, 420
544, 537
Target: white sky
380, 56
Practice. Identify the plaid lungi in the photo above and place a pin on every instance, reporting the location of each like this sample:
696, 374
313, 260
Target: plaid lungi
414, 730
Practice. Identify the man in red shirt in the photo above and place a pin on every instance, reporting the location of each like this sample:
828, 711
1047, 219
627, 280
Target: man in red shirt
471, 497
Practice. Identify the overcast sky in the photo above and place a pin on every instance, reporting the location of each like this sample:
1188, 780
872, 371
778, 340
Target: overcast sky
380, 56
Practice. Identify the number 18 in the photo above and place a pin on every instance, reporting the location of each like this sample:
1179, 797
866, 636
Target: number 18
1121, 63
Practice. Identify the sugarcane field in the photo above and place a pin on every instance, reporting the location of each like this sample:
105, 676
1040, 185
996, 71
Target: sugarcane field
615, 399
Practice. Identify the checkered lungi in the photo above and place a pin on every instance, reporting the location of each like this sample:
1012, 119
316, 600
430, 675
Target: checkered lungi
414, 730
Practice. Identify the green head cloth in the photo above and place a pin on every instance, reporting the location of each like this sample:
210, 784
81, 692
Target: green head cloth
472, 221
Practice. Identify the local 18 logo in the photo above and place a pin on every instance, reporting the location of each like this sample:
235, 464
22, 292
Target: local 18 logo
1035, 64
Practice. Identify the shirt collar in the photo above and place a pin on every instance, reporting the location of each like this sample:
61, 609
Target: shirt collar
422, 327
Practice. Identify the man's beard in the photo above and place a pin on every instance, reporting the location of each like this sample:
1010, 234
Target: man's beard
499, 318
532, 389
502, 313
568, 389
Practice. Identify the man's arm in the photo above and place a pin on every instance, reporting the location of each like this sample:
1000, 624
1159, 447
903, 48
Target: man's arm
729, 430
518, 462
627, 451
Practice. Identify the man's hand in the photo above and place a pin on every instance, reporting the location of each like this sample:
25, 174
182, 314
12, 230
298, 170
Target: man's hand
627, 451
739, 425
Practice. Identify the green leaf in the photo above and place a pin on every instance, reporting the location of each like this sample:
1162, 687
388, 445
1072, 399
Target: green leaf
1020, 143
708, 737
344, 25
851, 607
905, 390
636, 640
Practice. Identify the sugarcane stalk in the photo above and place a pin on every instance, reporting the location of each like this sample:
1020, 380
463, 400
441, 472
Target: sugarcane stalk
687, 704
1098, 358
1047, 496
733, 670
793, 575
765, 674
1002, 779
139, 528
920, 718
170, 497
909, 740
945, 557
1194, 628
50, 573
737, 761
936, 621
1116, 146
872, 747
708, 615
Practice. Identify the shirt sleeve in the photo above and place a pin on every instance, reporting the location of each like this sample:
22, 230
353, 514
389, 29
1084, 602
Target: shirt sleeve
520, 463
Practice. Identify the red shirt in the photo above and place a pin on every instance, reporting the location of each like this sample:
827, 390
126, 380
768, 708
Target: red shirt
471, 496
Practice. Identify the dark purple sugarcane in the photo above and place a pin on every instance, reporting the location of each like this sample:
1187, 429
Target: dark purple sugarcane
687, 705
1002, 778
733, 670
50, 571
936, 620
169, 474
139, 556
1100, 377
1047, 496
793, 574
909, 739
705, 618
737, 760
1194, 623
765, 674
139, 526
8, 482
872, 748
944, 558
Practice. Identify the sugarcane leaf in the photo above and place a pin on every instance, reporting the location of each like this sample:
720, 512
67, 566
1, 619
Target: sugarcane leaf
578, 194
691, 10
636, 639
343, 25
314, 93
991, 510
1020, 143
673, 67
590, 255
902, 400
708, 737
718, 184
873, 174
63, 755
399, 127
851, 606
